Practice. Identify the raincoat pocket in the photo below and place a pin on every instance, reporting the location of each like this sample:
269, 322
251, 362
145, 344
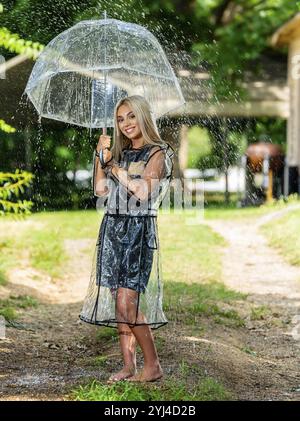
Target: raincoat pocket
150, 233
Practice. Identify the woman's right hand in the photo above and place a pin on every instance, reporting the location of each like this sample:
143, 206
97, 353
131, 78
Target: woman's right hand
103, 144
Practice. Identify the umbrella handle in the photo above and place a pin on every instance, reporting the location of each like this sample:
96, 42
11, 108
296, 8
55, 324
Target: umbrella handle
101, 151
101, 157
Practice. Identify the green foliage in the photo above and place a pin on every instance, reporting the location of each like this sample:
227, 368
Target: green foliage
240, 34
13, 43
206, 389
265, 129
6, 127
199, 146
53, 154
227, 38
12, 185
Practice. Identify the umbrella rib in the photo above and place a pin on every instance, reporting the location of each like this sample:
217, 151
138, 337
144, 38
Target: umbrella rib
90, 71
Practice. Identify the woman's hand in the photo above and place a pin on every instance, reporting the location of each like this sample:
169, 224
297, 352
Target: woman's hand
104, 144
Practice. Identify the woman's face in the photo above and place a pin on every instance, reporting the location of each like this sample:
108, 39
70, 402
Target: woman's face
128, 123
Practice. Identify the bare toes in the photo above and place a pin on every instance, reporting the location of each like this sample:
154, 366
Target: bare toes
121, 375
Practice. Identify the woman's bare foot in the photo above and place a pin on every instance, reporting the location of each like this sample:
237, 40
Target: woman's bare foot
148, 374
123, 374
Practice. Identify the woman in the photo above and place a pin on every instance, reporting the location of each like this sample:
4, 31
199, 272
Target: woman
125, 289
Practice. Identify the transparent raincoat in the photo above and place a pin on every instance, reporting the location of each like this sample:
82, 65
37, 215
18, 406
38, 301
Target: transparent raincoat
126, 278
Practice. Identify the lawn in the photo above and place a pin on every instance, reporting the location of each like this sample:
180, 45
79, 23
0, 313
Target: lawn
284, 234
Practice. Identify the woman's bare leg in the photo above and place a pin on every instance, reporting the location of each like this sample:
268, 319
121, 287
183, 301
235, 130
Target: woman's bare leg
127, 345
128, 349
152, 369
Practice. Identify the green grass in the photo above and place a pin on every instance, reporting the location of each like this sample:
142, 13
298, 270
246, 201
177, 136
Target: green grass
100, 361
206, 389
105, 334
284, 235
46, 251
3, 278
190, 256
190, 253
215, 207
8, 313
188, 383
192, 273
7, 257
260, 313
185, 303
9, 307
43, 241
249, 351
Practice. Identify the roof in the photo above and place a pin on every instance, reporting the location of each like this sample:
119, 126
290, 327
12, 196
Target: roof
268, 95
287, 32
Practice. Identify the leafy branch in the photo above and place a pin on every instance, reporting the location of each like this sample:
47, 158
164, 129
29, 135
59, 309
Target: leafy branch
6, 127
15, 44
12, 184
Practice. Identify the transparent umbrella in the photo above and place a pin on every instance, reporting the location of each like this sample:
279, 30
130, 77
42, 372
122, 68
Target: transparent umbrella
85, 70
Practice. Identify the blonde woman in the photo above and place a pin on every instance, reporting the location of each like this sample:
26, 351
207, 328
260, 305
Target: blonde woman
125, 289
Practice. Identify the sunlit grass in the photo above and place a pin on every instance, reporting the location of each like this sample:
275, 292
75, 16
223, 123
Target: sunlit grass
9, 307
3, 278
206, 389
284, 234
231, 211
190, 253
260, 313
42, 239
106, 334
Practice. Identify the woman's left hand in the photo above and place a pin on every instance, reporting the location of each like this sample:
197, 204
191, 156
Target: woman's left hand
107, 155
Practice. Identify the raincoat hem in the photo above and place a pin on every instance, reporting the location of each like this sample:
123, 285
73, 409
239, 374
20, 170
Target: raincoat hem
114, 323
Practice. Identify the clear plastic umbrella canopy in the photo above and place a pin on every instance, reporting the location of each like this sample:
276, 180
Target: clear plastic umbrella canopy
84, 71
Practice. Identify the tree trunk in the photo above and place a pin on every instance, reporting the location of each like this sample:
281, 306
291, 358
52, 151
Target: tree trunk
171, 135
183, 148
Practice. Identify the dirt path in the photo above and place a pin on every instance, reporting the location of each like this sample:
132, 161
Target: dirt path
250, 265
53, 351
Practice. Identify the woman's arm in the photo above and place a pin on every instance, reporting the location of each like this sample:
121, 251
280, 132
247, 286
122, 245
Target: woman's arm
100, 187
153, 172
99, 178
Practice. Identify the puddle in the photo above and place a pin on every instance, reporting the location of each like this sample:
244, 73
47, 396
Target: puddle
39, 379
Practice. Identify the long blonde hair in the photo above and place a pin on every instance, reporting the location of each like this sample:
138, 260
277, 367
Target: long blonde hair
142, 111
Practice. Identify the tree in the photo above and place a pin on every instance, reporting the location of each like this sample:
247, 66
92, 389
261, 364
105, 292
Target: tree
12, 184
226, 37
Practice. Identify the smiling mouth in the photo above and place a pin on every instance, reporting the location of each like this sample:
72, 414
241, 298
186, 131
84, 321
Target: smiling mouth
130, 130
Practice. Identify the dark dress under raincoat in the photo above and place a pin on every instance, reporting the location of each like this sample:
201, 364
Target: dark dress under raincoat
127, 252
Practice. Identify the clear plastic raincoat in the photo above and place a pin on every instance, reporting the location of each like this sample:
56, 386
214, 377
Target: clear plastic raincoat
127, 257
